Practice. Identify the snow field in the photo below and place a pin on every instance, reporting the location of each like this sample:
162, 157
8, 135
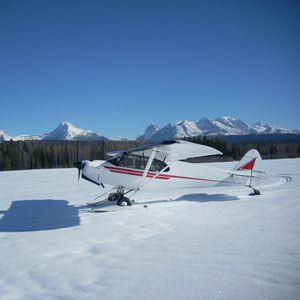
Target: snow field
208, 244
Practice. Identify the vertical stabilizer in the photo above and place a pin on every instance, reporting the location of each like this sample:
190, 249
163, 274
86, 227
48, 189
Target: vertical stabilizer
250, 163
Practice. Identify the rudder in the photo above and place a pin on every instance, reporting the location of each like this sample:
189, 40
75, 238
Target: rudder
250, 163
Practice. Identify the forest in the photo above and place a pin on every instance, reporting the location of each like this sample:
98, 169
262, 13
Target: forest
22, 155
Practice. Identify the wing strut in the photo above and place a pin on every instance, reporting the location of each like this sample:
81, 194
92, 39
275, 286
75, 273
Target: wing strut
165, 168
149, 163
142, 182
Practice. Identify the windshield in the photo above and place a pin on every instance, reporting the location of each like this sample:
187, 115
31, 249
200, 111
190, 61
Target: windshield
138, 162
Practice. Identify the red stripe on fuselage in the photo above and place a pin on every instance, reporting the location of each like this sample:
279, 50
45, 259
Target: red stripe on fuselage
193, 178
152, 174
136, 173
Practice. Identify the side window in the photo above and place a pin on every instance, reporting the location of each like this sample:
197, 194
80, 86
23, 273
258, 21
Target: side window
115, 161
138, 162
158, 165
130, 161
126, 161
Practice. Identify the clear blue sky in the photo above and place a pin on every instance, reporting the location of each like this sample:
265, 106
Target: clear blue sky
116, 66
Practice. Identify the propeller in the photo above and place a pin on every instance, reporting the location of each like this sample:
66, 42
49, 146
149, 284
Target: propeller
79, 165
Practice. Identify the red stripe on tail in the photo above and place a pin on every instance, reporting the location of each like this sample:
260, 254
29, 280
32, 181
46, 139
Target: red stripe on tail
247, 166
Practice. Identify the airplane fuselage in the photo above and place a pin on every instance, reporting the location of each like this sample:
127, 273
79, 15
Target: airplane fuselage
179, 175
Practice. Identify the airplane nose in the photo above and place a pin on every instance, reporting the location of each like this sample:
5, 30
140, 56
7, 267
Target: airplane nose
79, 165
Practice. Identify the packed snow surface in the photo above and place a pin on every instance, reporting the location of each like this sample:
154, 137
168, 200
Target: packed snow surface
196, 244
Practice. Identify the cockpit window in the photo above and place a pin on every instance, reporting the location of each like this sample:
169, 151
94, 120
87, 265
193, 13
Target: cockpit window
138, 162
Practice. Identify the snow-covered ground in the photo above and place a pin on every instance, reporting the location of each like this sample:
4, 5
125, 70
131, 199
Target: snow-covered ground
226, 245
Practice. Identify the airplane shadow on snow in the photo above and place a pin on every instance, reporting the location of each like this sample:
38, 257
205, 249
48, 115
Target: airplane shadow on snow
199, 198
37, 215
49, 214
206, 197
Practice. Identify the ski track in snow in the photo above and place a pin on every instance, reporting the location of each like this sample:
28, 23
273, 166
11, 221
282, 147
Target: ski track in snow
207, 244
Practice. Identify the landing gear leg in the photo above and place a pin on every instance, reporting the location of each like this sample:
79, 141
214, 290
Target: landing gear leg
119, 197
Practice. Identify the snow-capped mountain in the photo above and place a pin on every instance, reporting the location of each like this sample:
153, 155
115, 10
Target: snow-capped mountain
265, 128
219, 126
23, 137
118, 138
149, 132
67, 131
27, 137
181, 129
233, 126
4, 136
176, 131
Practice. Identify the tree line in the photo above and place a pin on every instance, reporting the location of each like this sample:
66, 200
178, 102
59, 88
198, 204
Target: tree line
21, 155
267, 149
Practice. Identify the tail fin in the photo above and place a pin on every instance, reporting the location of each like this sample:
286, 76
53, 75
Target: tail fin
250, 163
250, 166
248, 170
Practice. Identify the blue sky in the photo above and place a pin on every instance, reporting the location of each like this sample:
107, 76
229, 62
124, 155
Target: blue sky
116, 66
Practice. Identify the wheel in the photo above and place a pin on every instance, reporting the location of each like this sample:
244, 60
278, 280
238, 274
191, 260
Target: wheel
124, 202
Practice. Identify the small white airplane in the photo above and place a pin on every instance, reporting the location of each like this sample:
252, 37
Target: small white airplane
161, 166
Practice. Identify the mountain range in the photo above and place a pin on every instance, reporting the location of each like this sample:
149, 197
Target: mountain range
64, 132
226, 126
220, 126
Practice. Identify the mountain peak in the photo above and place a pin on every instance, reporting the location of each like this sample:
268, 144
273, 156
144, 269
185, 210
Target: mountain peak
149, 132
153, 125
66, 123
68, 131
4, 136
228, 118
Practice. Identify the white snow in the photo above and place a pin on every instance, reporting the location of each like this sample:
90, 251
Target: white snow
209, 244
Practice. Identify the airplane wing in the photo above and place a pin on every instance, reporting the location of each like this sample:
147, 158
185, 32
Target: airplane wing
169, 151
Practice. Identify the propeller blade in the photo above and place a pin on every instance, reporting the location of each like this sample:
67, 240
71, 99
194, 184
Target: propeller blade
79, 166
79, 173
